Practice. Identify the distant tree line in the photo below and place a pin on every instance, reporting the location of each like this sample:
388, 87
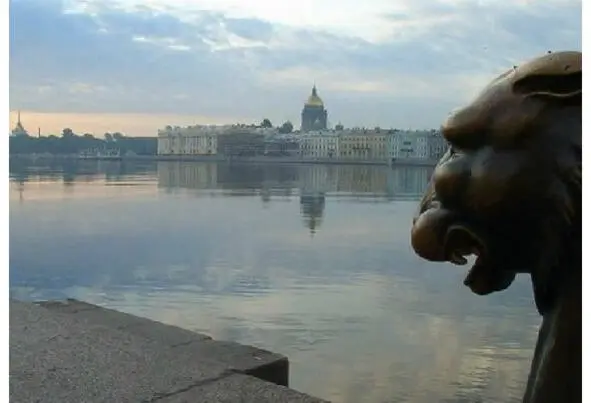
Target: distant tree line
286, 127
71, 143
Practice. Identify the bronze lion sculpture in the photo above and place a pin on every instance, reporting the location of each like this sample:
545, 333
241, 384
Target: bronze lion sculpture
508, 191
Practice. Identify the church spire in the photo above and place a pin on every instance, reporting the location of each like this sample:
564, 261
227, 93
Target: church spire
19, 130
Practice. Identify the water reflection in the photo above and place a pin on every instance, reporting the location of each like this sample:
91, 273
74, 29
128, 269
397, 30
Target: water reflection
312, 208
345, 180
361, 318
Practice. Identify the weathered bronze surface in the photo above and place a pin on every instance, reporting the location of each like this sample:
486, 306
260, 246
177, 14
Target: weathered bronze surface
508, 191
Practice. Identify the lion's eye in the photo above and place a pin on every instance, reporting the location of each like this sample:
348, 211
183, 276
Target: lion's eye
454, 151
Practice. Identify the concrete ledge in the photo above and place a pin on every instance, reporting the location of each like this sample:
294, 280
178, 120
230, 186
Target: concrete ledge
238, 388
430, 162
271, 367
71, 351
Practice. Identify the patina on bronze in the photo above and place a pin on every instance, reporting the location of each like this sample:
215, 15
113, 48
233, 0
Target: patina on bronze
508, 191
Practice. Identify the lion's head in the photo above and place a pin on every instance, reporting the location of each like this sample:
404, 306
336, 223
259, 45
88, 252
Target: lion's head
508, 190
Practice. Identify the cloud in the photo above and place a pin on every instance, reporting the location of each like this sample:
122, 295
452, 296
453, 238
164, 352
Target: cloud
390, 63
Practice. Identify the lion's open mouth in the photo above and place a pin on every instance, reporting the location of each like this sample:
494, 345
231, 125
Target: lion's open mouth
462, 241
438, 235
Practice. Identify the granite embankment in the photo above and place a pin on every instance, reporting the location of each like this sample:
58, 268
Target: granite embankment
71, 351
218, 158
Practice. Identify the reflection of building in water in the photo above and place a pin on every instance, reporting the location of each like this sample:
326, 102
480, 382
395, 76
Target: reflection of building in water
408, 181
219, 175
363, 179
314, 116
235, 176
315, 179
312, 210
20, 187
172, 174
281, 180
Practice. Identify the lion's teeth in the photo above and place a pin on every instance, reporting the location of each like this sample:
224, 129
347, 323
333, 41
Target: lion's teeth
458, 259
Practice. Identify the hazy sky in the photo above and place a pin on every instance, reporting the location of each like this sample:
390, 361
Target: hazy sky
133, 66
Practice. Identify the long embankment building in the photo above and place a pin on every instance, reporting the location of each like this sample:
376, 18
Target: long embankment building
314, 141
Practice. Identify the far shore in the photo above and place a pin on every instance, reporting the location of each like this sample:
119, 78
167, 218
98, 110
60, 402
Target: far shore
219, 158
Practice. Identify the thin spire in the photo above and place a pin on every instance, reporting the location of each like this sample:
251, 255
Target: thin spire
19, 116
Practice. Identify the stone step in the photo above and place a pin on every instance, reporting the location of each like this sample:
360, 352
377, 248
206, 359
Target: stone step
263, 364
71, 351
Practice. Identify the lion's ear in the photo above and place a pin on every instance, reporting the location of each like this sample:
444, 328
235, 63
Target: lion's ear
555, 76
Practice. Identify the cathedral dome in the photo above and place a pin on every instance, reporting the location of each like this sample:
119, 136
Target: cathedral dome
314, 99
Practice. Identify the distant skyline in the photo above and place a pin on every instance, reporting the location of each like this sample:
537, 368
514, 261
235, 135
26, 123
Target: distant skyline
134, 66
134, 124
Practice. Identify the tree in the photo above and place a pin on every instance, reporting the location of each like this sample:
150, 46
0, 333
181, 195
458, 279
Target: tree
286, 127
118, 136
67, 132
108, 137
266, 123
88, 136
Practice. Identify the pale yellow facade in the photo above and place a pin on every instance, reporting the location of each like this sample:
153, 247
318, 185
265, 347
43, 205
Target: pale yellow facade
187, 141
363, 145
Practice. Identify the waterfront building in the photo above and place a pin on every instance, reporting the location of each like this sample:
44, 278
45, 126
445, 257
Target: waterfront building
285, 144
314, 115
348, 144
409, 145
230, 140
363, 144
416, 145
191, 140
355, 144
319, 144
437, 145
241, 142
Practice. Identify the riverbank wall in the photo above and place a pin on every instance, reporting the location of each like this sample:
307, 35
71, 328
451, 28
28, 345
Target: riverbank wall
72, 351
224, 159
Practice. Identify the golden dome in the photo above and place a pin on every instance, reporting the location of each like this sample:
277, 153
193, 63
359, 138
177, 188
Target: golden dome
314, 99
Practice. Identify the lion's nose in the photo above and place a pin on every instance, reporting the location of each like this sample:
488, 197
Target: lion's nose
450, 181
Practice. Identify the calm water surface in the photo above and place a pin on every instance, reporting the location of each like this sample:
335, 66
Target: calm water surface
313, 262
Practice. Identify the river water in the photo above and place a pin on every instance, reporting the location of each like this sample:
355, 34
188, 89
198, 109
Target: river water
310, 261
